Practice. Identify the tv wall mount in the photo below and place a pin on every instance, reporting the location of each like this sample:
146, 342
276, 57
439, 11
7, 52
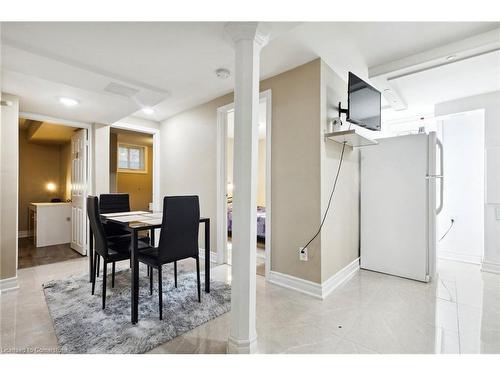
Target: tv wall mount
343, 110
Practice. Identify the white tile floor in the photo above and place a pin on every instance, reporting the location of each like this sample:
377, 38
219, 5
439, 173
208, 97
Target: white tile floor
371, 313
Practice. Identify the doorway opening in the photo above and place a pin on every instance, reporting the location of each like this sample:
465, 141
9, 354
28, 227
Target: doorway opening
52, 190
131, 167
460, 225
225, 125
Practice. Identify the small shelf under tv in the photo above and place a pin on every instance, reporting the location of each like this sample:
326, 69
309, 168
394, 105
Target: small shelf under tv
351, 138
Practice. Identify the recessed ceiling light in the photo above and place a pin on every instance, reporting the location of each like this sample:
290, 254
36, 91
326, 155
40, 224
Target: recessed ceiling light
69, 102
451, 57
148, 111
222, 73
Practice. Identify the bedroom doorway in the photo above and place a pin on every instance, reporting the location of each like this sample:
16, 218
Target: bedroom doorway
225, 184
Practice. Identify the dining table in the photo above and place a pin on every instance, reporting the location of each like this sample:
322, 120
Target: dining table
135, 222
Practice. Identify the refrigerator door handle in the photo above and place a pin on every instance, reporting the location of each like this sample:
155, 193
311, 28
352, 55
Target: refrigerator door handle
440, 176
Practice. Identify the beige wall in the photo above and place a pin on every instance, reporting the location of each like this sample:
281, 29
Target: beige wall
9, 128
261, 171
40, 164
295, 169
261, 183
189, 160
340, 234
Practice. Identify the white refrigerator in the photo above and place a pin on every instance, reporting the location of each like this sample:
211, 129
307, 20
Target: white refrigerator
401, 195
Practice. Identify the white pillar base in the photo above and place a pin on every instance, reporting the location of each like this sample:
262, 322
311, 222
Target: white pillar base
8, 285
235, 346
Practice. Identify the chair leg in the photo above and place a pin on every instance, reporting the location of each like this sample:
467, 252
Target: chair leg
148, 270
98, 264
175, 273
160, 293
94, 270
104, 274
113, 275
150, 280
198, 277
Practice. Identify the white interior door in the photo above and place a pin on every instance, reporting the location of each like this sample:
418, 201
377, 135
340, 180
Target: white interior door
79, 191
396, 205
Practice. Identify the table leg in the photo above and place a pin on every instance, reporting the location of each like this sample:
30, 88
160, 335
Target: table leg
135, 278
91, 254
207, 256
152, 236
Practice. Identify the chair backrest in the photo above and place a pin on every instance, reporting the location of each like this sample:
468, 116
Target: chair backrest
100, 243
179, 228
109, 203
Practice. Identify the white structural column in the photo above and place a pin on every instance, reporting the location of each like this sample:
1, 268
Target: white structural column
248, 41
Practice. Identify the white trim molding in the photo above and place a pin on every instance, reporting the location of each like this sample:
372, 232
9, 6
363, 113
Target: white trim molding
295, 283
490, 267
265, 96
10, 284
465, 258
317, 290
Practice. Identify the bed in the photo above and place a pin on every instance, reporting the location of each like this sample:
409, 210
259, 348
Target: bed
261, 221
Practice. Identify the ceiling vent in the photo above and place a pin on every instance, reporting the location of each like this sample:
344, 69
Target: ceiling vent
119, 89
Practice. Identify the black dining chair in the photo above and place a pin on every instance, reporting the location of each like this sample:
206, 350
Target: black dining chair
111, 252
178, 240
111, 203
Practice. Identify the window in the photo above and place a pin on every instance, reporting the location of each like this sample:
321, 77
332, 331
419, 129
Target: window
132, 158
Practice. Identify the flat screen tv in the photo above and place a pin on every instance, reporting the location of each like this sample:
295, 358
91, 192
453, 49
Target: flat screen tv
364, 103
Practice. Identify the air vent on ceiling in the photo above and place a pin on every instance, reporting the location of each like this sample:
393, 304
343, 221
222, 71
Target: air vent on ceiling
119, 89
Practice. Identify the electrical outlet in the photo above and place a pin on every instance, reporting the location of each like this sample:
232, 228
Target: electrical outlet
303, 254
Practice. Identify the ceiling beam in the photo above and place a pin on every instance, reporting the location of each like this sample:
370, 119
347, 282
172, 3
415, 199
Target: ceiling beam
478, 44
383, 75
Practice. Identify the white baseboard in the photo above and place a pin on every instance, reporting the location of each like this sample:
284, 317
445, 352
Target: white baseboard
340, 277
490, 267
320, 291
448, 255
22, 234
295, 283
213, 256
7, 285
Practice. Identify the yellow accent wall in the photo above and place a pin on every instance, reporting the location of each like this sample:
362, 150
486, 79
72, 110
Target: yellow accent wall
40, 164
138, 185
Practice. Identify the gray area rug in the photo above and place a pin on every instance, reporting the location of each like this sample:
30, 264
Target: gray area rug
81, 325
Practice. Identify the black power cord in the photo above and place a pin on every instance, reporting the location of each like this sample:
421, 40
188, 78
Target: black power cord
445, 233
331, 195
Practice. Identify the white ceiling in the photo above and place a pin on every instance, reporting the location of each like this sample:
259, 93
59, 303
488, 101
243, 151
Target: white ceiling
461, 79
172, 64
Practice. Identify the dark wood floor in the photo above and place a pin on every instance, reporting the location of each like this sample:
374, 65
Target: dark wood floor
30, 255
